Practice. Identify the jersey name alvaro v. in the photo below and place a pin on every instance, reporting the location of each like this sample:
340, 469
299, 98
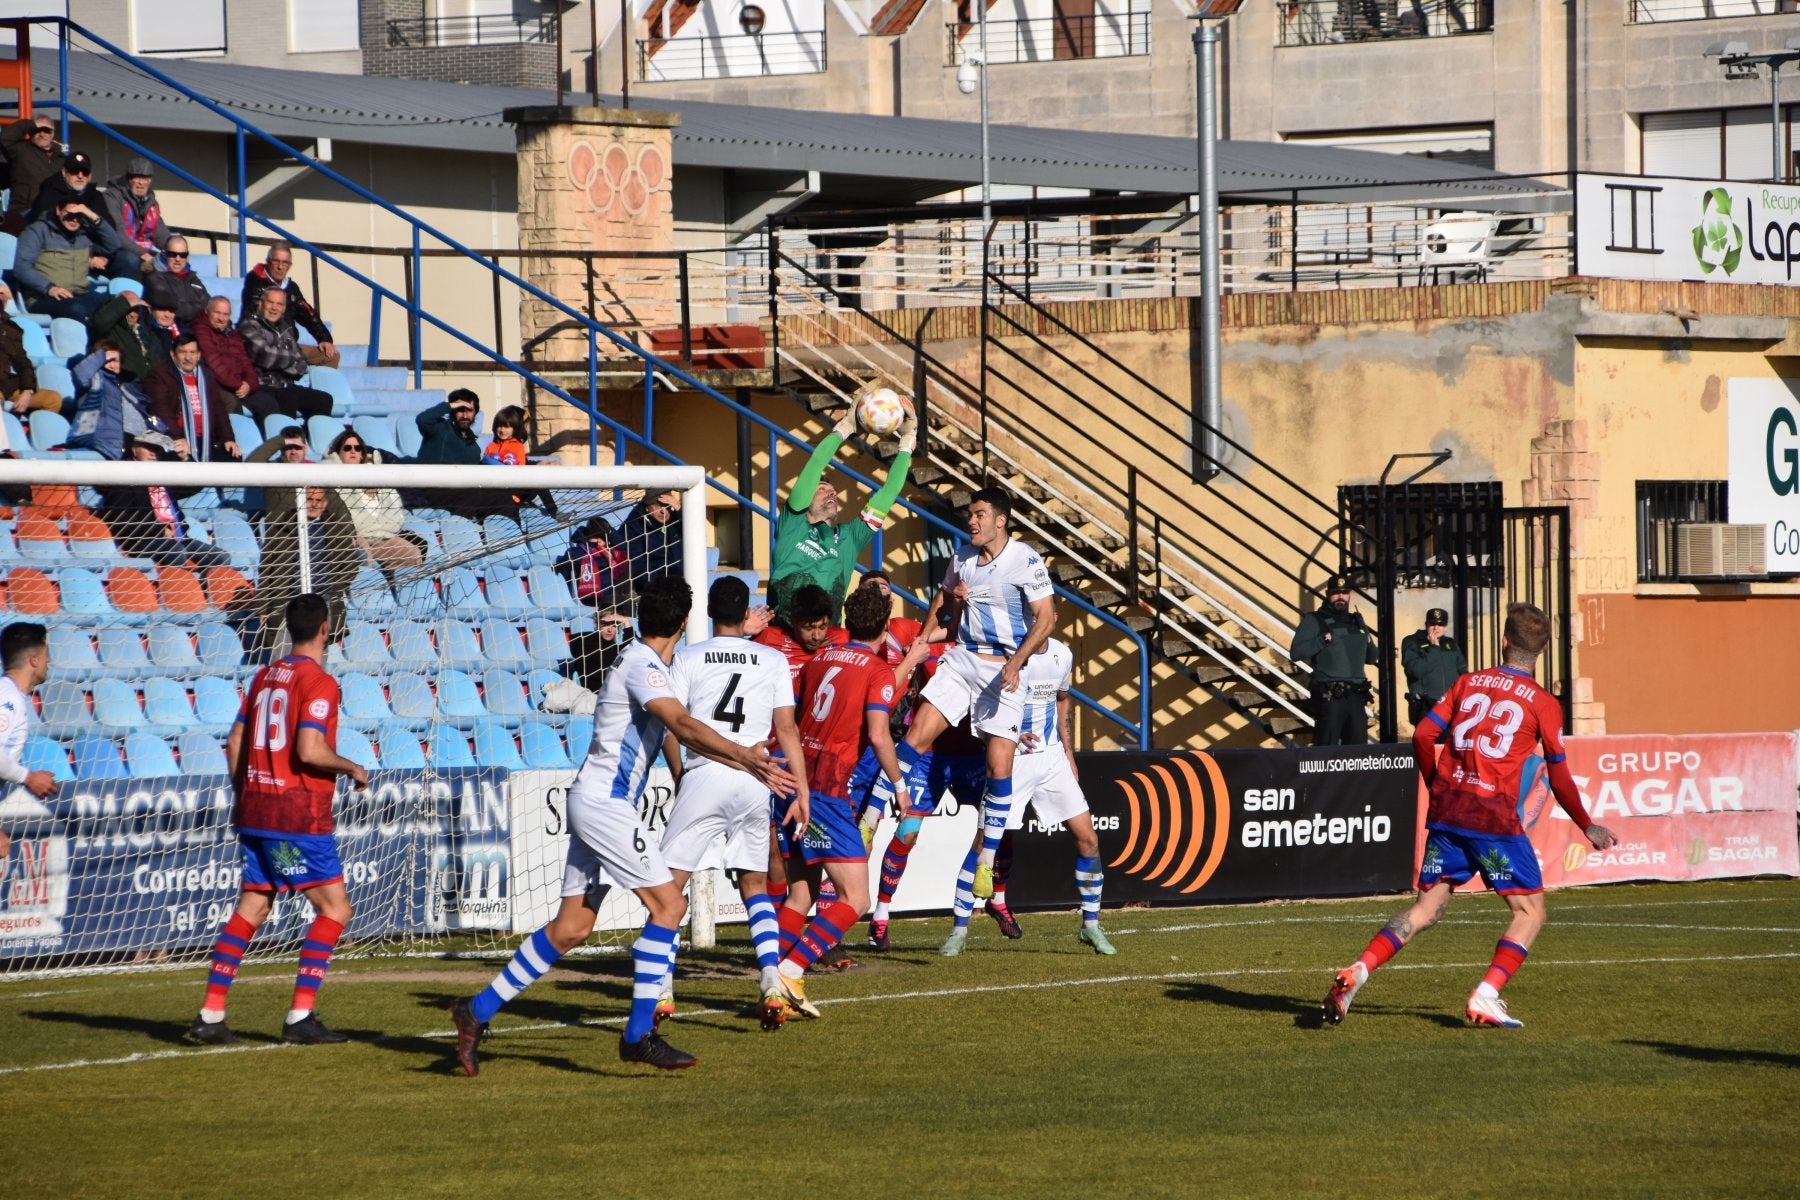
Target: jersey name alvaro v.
281, 794
733, 685
996, 613
1496, 719
626, 736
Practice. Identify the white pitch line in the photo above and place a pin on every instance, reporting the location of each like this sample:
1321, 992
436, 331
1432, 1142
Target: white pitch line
933, 994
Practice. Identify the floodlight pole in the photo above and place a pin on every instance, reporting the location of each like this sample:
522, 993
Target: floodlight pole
987, 182
1206, 450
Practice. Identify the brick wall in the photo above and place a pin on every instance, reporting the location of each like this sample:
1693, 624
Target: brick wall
522, 65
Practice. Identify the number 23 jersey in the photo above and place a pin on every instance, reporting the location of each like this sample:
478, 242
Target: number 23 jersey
733, 685
1496, 719
280, 793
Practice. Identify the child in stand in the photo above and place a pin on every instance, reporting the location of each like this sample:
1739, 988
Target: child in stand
508, 447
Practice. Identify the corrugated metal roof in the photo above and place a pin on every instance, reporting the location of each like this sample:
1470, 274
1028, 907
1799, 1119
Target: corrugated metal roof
916, 153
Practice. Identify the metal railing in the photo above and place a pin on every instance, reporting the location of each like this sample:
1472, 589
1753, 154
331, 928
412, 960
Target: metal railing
1650, 12
732, 56
1663, 507
1331, 22
1054, 39
478, 30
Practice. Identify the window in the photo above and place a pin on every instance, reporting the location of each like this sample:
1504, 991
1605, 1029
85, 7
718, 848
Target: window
1439, 534
178, 27
1663, 506
1714, 143
315, 26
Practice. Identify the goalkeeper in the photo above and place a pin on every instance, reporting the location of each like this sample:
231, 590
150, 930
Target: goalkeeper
811, 545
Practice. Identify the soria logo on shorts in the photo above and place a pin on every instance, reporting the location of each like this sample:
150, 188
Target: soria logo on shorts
1170, 806
288, 858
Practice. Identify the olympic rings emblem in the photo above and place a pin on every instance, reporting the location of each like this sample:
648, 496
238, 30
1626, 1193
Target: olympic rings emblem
613, 180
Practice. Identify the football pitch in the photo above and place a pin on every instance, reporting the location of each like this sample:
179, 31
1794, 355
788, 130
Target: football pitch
1660, 1057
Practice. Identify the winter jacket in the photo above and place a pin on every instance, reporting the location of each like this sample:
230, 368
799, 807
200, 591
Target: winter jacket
140, 346
443, 442
654, 547
279, 362
169, 405
376, 512
181, 291
49, 256
30, 166
17, 374
131, 515
107, 409
299, 313
227, 356
139, 220
56, 190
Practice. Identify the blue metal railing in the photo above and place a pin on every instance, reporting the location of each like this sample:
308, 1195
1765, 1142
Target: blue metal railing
418, 316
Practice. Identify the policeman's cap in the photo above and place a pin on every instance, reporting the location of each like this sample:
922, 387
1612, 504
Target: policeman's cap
1436, 616
1336, 584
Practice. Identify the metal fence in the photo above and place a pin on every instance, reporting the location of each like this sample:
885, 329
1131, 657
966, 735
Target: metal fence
1044, 39
478, 30
1650, 12
1327, 22
732, 56
1663, 507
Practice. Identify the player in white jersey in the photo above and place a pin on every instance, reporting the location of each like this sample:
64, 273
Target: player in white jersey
608, 843
998, 597
25, 655
745, 693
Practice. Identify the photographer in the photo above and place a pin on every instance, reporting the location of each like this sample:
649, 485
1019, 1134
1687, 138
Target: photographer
1338, 645
54, 257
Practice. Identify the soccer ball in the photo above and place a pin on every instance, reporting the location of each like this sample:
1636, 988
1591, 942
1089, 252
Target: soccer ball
880, 411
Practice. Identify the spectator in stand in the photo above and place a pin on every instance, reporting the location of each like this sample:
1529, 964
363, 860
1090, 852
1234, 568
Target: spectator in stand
222, 346
108, 410
18, 376
163, 327
278, 360
447, 431
651, 537
145, 521
74, 182
510, 431
34, 155
131, 203
272, 275
376, 512
187, 401
54, 257
332, 556
597, 571
125, 321
176, 287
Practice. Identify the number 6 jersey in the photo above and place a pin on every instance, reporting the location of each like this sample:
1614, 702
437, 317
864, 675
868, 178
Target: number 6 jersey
734, 685
1496, 719
280, 794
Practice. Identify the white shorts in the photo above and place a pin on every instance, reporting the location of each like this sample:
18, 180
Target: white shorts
1045, 780
609, 846
968, 685
716, 801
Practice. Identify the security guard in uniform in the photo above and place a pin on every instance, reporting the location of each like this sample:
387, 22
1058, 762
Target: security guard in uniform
1338, 645
1433, 660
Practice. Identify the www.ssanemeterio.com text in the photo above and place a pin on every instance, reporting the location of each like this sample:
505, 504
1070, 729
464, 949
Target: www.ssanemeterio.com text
1379, 762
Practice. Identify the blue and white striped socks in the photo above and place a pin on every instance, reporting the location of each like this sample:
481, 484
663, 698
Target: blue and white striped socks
996, 806
534, 956
1089, 878
652, 958
964, 904
765, 931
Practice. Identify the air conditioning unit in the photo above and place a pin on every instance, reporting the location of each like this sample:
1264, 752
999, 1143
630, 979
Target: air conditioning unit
1713, 551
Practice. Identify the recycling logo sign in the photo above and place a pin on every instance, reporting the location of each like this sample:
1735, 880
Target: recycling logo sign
1718, 240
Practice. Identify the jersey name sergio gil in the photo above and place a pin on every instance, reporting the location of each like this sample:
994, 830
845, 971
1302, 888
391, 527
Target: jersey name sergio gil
996, 612
281, 794
1496, 719
733, 685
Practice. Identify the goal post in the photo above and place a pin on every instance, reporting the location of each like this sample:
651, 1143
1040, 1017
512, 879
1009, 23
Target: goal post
467, 626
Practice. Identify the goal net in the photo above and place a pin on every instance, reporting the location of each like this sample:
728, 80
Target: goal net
475, 610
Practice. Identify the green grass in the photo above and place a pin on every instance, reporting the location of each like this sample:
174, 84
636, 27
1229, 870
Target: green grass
1660, 1057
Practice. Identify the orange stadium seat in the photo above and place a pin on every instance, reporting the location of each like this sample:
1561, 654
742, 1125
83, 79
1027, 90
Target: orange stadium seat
57, 500
131, 591
229, 589
30, 592
180, 590
84, 526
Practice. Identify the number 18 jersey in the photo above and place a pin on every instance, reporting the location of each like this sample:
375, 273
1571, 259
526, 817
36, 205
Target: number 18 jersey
734, 685
1496, 719
280, 793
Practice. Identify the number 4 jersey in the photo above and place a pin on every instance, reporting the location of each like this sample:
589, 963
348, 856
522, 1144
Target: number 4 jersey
734, 685
1496, 719
281, 794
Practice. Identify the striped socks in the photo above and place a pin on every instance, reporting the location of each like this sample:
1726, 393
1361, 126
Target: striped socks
964, 904
534, 956
826, 930
765, 930
1088, 881
227, 957
652, 958
1509, 956
315, 959
996, 806
893, 866
1383, 946
792, 923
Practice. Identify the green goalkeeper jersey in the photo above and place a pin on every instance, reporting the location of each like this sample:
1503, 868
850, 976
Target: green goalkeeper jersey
822, 552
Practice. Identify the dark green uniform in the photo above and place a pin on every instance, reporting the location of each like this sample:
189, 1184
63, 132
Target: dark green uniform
1430, 670
824, 553
1338, 645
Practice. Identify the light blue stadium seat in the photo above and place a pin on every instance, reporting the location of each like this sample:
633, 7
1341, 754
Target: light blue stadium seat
551, 596
320, 431
68, 337
167, 708
17, 439
535, 683
411, 700
122, 653
98, 554
543, 747
173, 653
149, 757
55, 377
355, 745
461, 539
245, 432
97, 758
416, 598
63, 710
450, 747
201, 754
399, 748
233, 534
506, 594
116, 708
370, 599
331, 381
377, 431
549, 645
505, 697
407, 435
462, 595
411, 647
9, 251
579, 733
502, 647
505, 541
457, 647
72, 653
118, 285
219, 647
47, 554
365, 705
365, 650
207, 266
84, 601
216, 703
199, 506
494, 746
458, 699
43, 754
37, 345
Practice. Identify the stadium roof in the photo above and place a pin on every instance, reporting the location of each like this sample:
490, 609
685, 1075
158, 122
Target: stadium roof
861, 158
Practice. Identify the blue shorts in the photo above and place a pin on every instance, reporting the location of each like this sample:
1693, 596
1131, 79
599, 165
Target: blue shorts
964, 775
289, 862
832, 835
1506, 862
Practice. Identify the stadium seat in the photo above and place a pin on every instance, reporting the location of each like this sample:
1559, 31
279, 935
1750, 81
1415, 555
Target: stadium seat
494, 746
149, 757
41, 541
72, 653
320, 431
133, 596
411, 648
458, 699
42, 754
118, 285
364, 705
331, 381
450, 747
56, 377
84, 598
457, 647
548, 644
399, 748
461, 539
245, 433
506, 595
232, 533
91, 543
9, 250
462, 595
180, 592
417, 598
355, 745
502, 647
579, 733
173, 653
167, 708
48, 430
216, 704
68, 337
17, 440
407, 437
122, 654
411, 700
505, 541
31, 593
274, 423
536, 682
116, 708
228, 590
63, 711
365, 650
370, 599
551, 596
378, 432
543, 747
197, 506
505, 697
201, 754
219, 648
98, 758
